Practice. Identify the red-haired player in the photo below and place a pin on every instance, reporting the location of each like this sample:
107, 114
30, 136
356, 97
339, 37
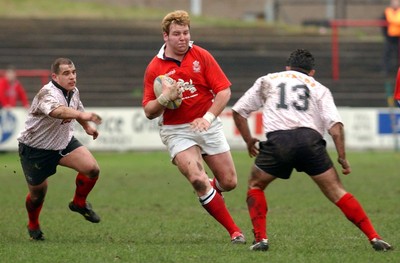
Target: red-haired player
193, 132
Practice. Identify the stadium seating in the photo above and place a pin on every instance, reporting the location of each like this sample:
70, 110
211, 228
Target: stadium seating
111, 57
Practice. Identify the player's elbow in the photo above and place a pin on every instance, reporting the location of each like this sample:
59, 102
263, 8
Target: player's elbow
225, 93
237, 117
150, 116
150, 112
336, 129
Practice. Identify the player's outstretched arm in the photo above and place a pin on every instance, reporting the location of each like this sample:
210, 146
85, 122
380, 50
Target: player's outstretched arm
83, 118
89, 116
64, 112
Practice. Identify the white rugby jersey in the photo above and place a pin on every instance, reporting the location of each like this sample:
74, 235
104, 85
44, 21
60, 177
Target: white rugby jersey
289, 100
44, 132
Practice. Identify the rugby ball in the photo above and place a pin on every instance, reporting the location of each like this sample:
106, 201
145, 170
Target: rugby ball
158, 90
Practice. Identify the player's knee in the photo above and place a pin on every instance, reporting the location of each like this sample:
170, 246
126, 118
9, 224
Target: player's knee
94, 172
38, 197
228, 185
256, 183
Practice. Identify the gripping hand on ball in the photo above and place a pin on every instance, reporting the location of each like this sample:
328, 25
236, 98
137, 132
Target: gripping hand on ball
170, 89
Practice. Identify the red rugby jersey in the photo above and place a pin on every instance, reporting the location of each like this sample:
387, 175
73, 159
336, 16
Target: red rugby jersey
198, 73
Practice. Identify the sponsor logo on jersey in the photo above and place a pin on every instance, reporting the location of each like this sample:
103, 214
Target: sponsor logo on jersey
196, 66
186, 86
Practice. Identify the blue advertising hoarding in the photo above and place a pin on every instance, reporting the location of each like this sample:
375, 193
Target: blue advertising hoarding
388, 122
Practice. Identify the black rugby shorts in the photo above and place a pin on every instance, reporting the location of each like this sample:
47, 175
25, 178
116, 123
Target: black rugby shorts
303, 149
38, 164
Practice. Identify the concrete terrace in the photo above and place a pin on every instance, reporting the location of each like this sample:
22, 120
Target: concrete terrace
111, 57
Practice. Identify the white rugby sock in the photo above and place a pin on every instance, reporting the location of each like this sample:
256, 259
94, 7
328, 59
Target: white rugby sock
205, 199
217, 185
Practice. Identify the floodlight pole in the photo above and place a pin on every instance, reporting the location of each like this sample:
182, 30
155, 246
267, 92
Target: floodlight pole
269, 10
195, 7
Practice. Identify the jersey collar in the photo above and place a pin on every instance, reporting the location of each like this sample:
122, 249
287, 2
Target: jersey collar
161, 52
67, 95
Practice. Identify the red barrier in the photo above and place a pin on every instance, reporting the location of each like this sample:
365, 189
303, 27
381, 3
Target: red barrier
43, 74
335, 24
396, 95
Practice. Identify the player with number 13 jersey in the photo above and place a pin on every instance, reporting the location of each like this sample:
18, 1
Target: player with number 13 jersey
297, 111
304, 101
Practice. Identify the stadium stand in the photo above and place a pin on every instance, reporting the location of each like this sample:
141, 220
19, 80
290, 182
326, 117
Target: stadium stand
111, 57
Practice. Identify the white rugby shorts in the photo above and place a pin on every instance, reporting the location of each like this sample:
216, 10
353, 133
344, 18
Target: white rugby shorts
178, 138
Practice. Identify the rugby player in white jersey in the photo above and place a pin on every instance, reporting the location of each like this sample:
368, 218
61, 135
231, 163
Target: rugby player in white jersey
47, 141
297, 110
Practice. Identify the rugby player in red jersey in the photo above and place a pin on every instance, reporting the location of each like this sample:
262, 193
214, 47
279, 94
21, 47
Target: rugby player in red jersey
193, 133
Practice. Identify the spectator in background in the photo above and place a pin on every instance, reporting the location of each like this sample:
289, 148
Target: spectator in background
396, 95
11, 90
392, 36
